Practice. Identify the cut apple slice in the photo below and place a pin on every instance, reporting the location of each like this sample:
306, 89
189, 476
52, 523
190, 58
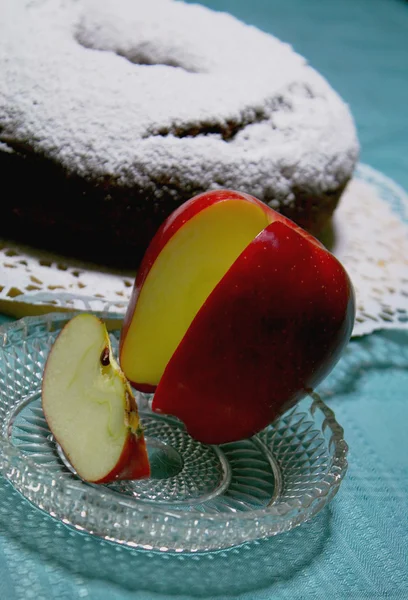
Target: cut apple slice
89, 405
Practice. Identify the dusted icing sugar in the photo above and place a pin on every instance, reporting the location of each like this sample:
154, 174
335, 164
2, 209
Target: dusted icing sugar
162, 93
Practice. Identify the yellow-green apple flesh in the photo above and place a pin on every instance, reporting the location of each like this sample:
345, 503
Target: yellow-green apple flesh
89, 405
235, 315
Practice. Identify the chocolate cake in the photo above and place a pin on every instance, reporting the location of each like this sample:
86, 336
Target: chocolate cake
114, 112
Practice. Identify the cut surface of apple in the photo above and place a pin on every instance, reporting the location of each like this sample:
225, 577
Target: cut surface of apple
89, 406
181, 275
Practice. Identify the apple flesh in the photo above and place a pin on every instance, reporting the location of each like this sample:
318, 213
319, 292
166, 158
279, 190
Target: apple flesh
242, 335
89, 405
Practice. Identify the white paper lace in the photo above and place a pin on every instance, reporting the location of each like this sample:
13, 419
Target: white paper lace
370, 237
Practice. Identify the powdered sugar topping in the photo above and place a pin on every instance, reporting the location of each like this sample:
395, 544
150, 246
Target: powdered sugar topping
161, 92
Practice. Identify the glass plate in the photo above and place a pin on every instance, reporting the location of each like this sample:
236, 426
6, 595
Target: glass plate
199, 497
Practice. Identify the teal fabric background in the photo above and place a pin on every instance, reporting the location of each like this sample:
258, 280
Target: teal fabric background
358, 546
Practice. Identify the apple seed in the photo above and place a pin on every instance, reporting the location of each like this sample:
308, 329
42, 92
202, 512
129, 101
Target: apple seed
105, 357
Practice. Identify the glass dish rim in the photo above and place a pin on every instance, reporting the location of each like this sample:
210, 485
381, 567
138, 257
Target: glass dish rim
11, 457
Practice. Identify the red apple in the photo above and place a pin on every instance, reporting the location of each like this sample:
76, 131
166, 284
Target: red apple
89, 405
235, 315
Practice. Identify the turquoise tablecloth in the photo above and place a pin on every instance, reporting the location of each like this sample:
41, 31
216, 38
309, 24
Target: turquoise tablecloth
358, 546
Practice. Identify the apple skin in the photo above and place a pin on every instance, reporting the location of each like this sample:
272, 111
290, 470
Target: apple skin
271, 330
169, 227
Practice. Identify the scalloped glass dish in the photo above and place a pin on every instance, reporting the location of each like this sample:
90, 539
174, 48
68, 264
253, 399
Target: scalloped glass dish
198, 498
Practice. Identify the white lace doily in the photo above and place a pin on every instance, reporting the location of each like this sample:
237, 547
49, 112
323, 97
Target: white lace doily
370, 237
